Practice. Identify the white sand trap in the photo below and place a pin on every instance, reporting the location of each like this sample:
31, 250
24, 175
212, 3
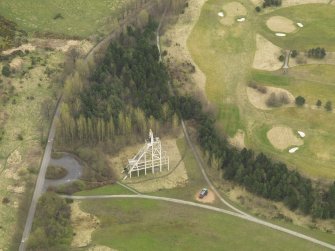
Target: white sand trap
266, 56
282, 137
259, 99
287, 3
242, 19
280, 24
293, 150
221, 14
232, 10
278, 34
300, 25
302, 134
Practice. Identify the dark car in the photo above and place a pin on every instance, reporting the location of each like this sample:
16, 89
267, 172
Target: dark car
203, 193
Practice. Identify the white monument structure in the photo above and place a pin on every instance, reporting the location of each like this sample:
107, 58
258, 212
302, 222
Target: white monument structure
149, 158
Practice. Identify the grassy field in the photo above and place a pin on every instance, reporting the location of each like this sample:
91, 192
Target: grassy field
20, 146
227, 59
105, 190
318, 30
78, 17
165, 226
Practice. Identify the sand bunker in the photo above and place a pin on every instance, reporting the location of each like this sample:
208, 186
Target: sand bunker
221, 14
259, 99
293, 150
238, 140
209, 198
301, 134
280, 24
287, 3
282, 137
232, 10
266, 56
300, 25
83, 225
278, 34
242, 19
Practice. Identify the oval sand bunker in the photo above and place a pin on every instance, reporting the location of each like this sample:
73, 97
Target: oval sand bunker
281, 24
282, 137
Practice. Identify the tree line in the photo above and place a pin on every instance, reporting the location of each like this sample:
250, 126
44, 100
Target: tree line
257, 172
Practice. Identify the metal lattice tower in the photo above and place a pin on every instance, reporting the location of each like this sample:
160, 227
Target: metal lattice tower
149, 158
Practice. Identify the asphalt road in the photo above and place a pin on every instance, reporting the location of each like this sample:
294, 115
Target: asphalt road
40, 180
72, 166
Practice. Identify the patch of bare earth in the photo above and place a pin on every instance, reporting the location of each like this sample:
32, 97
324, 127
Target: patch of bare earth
266, 56
209, 198
16, 64
167, 179
231, 11
83, 225
174, 41
23, 48
282, 137
259, 99
257, 2
287, 3
55, 44
237, 140
281, 24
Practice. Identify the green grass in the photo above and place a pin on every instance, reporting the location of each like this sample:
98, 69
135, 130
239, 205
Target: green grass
105, 190
80, 17
318, 30
137, 224
227, 64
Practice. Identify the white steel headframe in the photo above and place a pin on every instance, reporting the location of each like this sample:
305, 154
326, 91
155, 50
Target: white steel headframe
148, 158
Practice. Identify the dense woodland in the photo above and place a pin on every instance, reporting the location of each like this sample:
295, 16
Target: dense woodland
125, 94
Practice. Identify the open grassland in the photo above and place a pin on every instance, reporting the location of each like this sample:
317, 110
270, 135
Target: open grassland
24, 128
106, 190
318, 30
226, 61
137, 224
74, 18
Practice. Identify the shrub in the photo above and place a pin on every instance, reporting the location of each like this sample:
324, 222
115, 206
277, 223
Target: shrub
318, 103
6, 70
294, 53
5, 200
300, 101
258, 9
328, 106
277, 100
58, 16
316, 53
19, 137
281, 58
